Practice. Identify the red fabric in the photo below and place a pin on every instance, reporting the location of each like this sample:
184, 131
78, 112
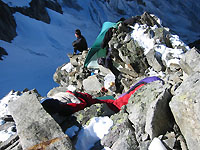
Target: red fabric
124, 99
87, 101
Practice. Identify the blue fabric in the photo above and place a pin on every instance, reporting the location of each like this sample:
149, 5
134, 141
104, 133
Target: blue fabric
145, 80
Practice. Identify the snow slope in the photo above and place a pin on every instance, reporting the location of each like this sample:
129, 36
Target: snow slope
38, 49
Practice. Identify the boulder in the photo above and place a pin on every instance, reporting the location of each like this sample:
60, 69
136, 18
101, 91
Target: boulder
95, 110
163, 36
190, 62
37, 9
149, 111
170, 140
159, 118
121, 135
92, 84
2, 52
131, 73
185, 108
129, 53
147, 19
7, 23
36, 128
155, 60
56, 90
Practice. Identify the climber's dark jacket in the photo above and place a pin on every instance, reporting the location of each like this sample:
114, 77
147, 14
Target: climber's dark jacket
80, 44
107, 38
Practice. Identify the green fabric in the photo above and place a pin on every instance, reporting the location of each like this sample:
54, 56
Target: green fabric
105, 97
96, 51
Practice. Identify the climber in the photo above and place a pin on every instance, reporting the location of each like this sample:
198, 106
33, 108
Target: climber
53, 106
80, 43
108, 62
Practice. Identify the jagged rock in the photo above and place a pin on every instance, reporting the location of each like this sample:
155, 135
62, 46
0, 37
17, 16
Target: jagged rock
163, 36
61, 77
154, 60
169, 140
54, 5
73, 73
56, 90
38, 10
2, 52
96, 110
131, 73
92, 84
104, 71
144, 144
190, 62
122, 135
129, 53
7, 23
185, 108
174, 67
140, 104
79, 59
159, 118
147, 19
127, 82
37, 129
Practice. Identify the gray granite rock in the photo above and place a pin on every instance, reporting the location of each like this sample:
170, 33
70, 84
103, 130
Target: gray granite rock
36, 128
92, 84
185, 108
190, 62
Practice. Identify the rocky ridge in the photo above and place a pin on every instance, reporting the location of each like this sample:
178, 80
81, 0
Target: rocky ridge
167, 110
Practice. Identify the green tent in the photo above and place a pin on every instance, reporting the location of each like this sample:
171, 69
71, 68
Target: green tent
96, 51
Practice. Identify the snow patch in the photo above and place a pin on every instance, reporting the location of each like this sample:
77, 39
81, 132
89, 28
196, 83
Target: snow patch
89, 135
6, 134
156, 144
68, 67
4, 103
169, 55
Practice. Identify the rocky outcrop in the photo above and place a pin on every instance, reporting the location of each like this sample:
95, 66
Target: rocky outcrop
190, 62
37, 9
155, 60
37, 131
7, 23
2, 53
147, 114
164, 111
128, 53
185, 108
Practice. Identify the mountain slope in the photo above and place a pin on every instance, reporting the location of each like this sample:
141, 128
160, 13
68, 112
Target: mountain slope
39, 48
